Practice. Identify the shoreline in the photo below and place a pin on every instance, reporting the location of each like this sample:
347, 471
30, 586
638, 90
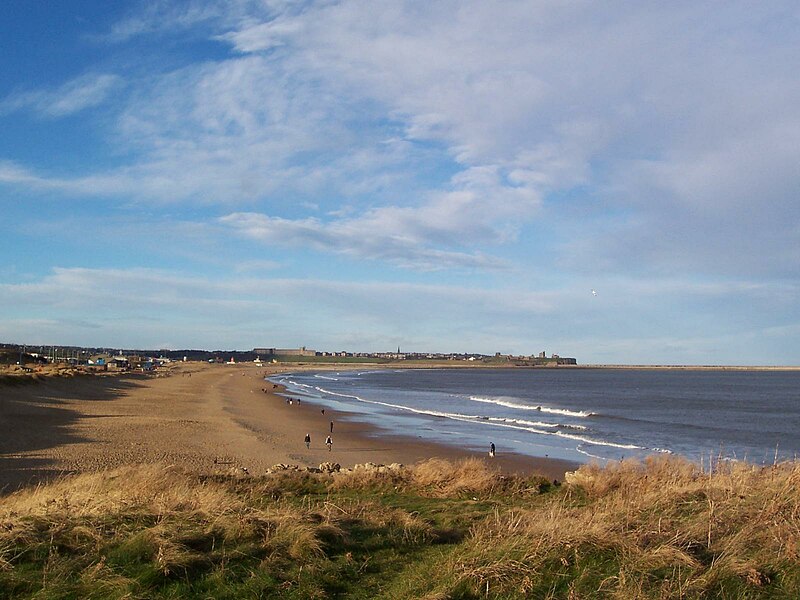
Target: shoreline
327, 366
385, 445
209, 419
357, 441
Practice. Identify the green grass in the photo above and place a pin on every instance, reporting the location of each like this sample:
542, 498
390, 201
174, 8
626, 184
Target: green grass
658, 530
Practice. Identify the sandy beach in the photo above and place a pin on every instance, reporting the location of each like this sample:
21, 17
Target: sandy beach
206, 418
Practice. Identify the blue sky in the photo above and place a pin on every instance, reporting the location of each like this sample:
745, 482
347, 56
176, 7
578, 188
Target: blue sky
448, 176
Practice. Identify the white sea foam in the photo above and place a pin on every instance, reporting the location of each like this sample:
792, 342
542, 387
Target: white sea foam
582, 437
520, 422
419, 411
590, 455
586, 440
480, 419
297, 384
534, 423
570, 436
544, 409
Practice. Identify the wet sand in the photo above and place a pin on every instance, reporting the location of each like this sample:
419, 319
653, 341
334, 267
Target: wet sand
206, 418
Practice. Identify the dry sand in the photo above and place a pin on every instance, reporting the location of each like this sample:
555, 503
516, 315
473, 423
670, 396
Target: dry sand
207, 418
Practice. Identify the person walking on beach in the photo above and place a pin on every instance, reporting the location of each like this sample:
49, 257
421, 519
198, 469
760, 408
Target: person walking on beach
308, 440
491, 450
331, 426
329, 443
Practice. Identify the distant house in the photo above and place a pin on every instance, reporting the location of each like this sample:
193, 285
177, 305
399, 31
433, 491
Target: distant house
118, 363
97, 363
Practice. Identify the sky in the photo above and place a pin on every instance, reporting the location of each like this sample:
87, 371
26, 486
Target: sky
614, 181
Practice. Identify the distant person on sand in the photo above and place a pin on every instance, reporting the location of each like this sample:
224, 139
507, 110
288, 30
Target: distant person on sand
331, 426
323, 411
329, 443
491, 449
308, 440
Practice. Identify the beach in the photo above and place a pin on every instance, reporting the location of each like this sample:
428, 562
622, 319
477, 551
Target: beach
207, 418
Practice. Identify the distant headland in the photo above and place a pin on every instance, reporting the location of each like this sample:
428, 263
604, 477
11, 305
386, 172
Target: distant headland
25, 355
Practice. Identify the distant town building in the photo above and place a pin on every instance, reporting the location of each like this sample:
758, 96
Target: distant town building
302, 351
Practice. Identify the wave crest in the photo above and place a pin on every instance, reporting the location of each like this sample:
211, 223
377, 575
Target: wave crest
544, 409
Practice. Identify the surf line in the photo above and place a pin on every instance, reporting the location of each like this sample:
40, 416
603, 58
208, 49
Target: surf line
544, 409
479, 419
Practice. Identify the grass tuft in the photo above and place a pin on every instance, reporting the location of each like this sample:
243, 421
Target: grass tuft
662, 528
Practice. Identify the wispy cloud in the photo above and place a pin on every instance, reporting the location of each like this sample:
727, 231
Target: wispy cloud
650, 108
160, 16
354, 238
563, 142
480, 210
618, 325
242, 310
84, 92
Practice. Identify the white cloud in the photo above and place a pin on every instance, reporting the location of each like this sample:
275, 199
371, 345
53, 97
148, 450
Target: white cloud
14, 173
78, 94
572, 95
161, 17
354, 238
256, 265
242, 312
629, 321
681, 119
477, 211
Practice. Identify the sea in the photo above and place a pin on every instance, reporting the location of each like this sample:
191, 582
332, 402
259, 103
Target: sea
574, 414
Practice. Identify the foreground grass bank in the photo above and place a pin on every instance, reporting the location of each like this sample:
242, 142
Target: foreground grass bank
663, 529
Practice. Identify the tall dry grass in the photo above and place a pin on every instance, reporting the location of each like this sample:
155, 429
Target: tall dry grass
152, 514
663, 528
445, 478
439, 478
659, 529
84, 533
154, 488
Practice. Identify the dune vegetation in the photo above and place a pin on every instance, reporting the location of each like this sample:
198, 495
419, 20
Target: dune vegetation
665, 528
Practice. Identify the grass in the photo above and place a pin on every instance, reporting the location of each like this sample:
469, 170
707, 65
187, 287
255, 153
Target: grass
664, 528
15, 375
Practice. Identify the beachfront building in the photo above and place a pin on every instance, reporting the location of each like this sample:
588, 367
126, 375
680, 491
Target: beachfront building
302, 351
118, 363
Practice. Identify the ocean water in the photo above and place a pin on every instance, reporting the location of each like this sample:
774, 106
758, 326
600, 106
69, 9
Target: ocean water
575, 414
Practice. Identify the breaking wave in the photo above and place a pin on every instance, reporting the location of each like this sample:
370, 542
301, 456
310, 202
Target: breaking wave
544, 409
518, 424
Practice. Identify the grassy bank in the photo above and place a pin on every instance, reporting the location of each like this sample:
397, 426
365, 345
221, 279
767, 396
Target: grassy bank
664, 529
